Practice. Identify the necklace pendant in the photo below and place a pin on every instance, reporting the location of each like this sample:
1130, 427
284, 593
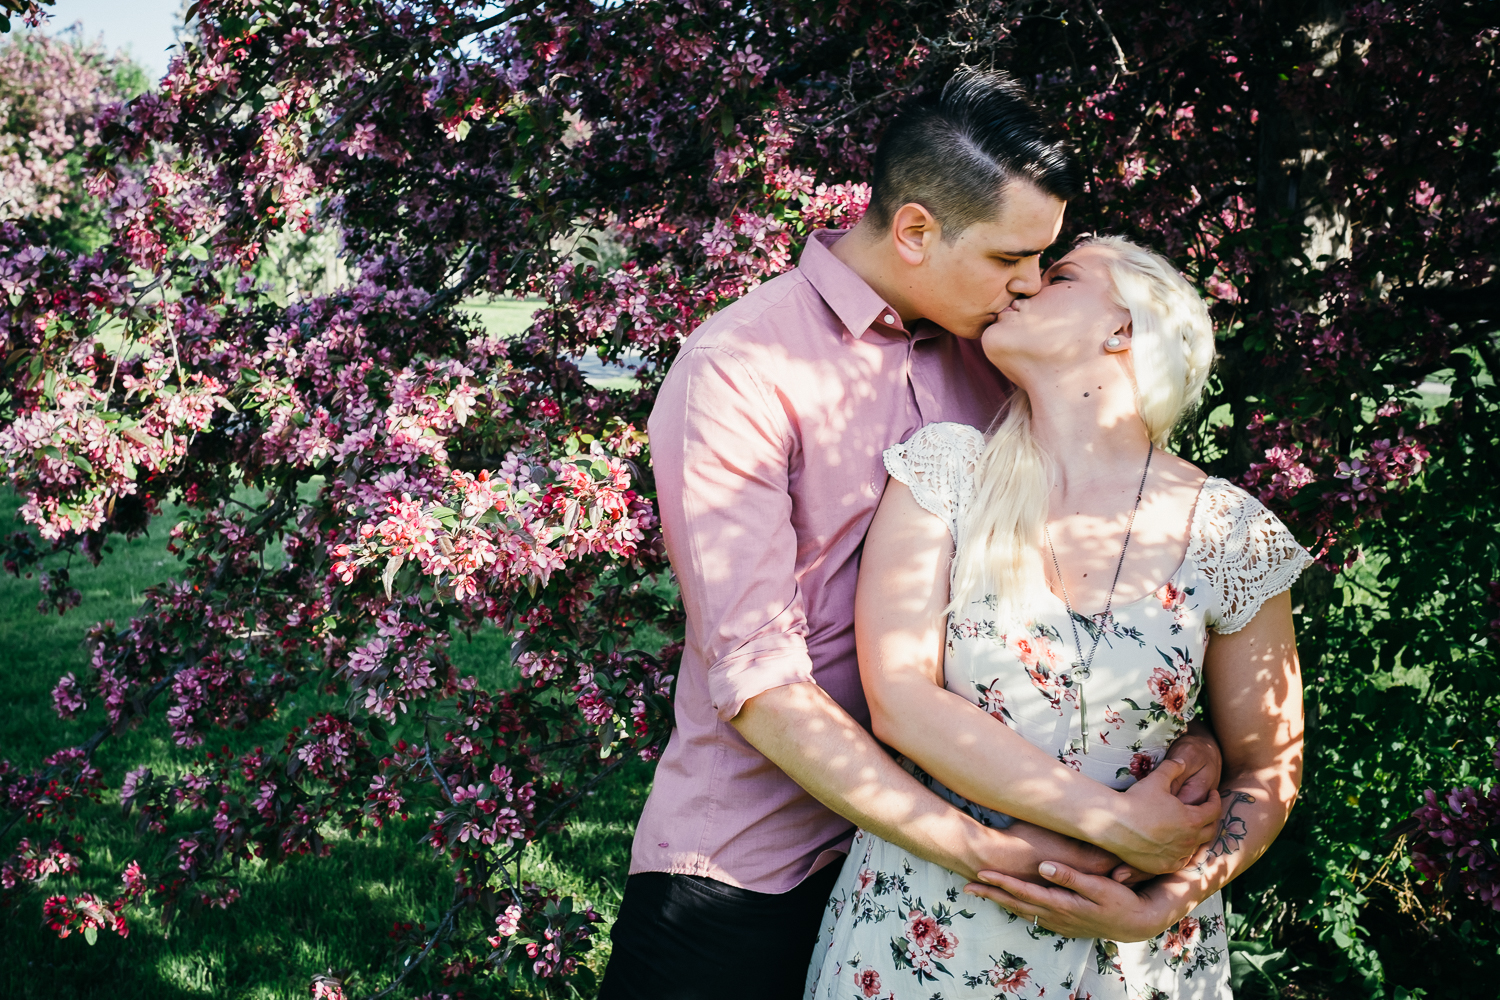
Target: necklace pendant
1083, 721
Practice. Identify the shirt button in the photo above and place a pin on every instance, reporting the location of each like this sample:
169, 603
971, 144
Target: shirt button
888, 319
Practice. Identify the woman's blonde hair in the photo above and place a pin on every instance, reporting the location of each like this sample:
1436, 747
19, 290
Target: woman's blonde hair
1171, 351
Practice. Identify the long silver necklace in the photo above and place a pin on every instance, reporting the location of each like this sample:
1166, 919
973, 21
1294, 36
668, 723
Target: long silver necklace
1084, 665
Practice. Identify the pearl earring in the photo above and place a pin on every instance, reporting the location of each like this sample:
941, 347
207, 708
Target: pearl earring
1113, 344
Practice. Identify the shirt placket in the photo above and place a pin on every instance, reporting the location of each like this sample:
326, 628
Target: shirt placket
923, 399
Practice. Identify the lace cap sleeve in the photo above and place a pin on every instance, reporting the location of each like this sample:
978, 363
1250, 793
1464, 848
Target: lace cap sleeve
937, 465
1245, 551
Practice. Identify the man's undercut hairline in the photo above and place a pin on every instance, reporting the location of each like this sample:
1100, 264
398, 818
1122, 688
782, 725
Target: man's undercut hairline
1007, 183
958, 153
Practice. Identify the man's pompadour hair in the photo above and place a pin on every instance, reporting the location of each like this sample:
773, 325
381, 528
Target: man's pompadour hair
954, 152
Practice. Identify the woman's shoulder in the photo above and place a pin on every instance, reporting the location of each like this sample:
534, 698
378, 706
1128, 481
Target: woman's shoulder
1245, 551
945, 436
1221, 505
937, 464
945, 451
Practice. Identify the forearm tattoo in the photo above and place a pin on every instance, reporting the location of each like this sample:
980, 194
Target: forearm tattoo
1232, 831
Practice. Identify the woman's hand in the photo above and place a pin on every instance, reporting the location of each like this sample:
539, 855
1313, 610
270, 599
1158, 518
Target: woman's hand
1077, 905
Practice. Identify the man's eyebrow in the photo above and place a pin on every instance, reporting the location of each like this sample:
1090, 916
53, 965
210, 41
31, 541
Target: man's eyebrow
1020, 253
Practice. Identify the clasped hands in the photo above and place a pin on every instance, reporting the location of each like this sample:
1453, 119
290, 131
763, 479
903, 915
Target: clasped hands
1160, 824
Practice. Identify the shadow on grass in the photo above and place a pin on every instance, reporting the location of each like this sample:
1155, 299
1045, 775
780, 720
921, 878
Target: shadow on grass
306, 916
293, 920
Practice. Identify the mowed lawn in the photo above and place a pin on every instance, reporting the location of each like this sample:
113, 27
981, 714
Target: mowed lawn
307, 916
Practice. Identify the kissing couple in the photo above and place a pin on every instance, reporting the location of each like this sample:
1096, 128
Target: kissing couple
984, 692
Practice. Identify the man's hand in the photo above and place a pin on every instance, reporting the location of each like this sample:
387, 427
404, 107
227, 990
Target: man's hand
1079, 905
1045, 845
1153, 830
1200, 754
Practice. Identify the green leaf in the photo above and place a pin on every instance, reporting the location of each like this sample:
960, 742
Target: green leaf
91, 934
197, 251
462, 132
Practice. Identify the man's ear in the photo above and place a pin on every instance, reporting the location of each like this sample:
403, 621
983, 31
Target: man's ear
914, 232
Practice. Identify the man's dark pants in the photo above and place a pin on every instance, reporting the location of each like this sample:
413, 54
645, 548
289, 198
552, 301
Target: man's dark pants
685, 937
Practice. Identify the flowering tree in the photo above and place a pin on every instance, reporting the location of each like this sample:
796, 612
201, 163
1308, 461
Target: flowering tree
365, 473
50, 93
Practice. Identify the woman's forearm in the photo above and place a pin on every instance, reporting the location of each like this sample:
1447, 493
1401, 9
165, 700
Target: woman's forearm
803, 731
986, 762
1255, 807
1254, 687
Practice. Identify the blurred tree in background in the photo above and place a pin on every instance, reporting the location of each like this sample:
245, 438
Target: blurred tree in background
51, 92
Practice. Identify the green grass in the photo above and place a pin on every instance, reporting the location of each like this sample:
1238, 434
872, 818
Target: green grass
503, 317
296, 919
510, 317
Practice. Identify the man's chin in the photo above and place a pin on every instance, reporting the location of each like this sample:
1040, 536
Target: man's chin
971, 332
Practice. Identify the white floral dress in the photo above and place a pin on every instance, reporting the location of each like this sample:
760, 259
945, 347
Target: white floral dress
900, 927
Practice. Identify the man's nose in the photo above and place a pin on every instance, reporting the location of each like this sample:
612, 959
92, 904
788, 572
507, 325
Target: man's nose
1028, 278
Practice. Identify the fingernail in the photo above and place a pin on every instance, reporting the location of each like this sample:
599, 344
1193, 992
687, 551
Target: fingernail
1047, 868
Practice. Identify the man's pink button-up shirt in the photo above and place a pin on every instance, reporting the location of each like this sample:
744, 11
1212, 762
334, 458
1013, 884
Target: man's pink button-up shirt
767, 441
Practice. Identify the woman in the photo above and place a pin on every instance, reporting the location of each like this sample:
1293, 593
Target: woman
1088, 594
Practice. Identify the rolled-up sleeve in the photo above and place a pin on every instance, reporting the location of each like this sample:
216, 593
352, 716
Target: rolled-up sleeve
721, 444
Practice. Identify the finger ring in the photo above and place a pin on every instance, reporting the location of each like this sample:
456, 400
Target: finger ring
1034, 918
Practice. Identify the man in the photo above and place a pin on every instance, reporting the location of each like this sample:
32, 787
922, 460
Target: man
767, 441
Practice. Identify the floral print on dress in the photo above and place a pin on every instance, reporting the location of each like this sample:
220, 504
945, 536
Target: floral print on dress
1174, 599
928, 938
1008, 974
867, 981
1186, 947
1108, 628
1173, 687
1141, 764
899, 928
1037, 651
992, 701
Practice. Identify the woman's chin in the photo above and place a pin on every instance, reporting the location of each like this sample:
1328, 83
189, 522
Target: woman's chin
1002, 336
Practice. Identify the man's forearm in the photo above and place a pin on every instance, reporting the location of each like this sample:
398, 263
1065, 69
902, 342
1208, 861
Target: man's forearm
803, 731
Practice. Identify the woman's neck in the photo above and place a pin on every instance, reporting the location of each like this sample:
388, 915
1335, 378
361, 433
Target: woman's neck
1092, 431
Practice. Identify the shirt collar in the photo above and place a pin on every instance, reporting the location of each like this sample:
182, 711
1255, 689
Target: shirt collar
852, 300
